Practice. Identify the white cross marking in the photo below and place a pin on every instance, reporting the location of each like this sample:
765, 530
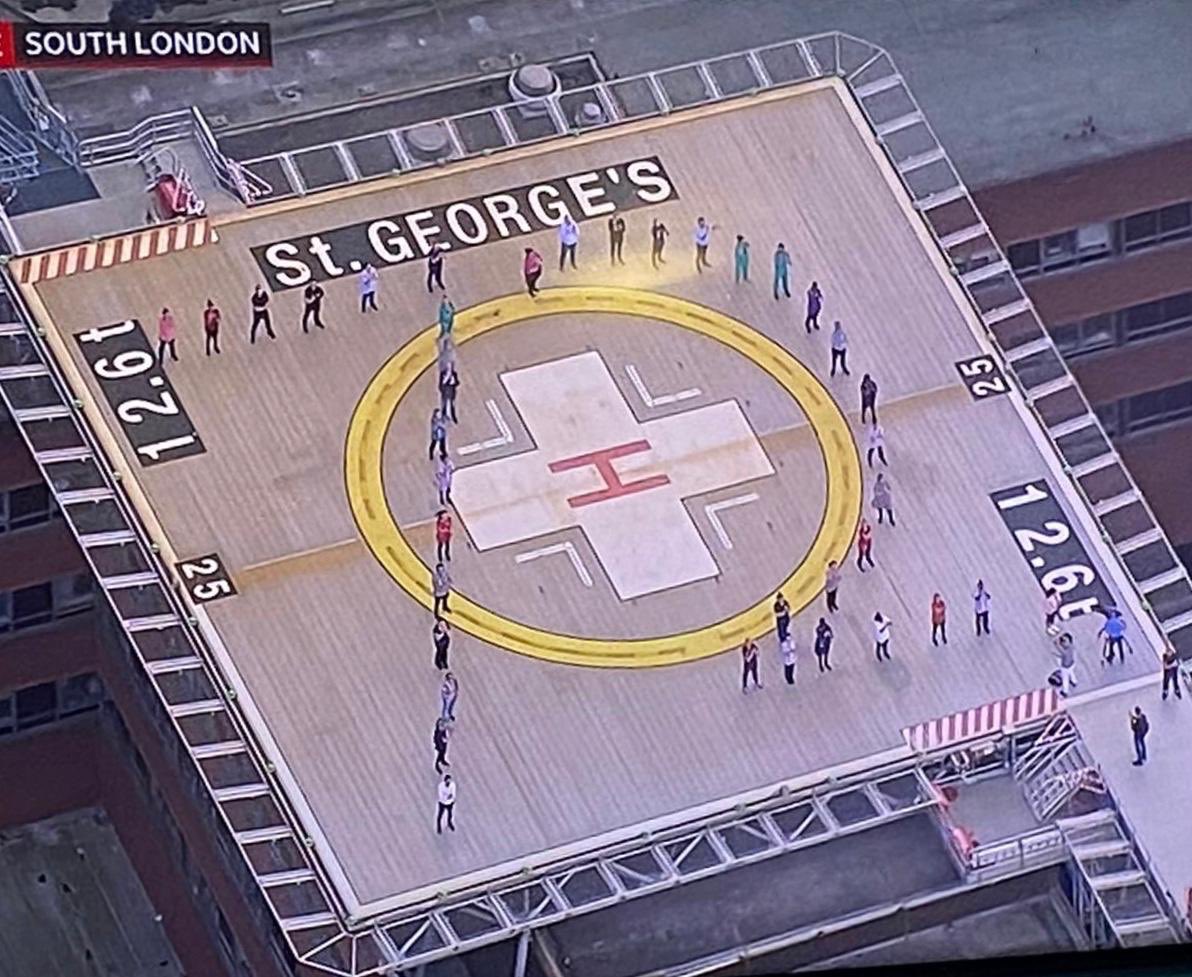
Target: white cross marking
620, 481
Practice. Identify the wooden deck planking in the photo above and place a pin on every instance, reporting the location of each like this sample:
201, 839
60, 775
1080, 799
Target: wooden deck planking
338, 659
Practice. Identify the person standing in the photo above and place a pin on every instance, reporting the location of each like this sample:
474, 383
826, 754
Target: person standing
532, 270
434, 267
448, 387
1171, 672
448, 696
568, 241
1051, 608
441, 636
823, 645
444, 473
1065, 654
446, 804
703, 237
446, 315
876, 442
881, 636
441, 736
839, 348
782, 617
260, 315
441, 588
782, 270
211, 321
658, 236
741, 260
883, 499
312, 306
1114, 632
443, 535
981, 599
868, 397
438, 434
788, 651
864, 545
1139, 727
616, 239
446, 353
167, 336
749, 665
831, 585
368, 288
815, 302
939, 620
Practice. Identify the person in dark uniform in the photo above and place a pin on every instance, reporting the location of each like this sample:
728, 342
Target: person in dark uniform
448, 386
782, 617
658, 236
260, 315
823, 644
1139, 727
441, 635
868, 397
440, 741
312, 298
749, 665
616, 239
434, 268
1171, 672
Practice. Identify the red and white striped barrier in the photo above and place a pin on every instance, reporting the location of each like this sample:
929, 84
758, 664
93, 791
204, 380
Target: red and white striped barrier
121, 250
989, 718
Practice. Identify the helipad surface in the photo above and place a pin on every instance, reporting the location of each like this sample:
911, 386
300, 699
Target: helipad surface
644, 457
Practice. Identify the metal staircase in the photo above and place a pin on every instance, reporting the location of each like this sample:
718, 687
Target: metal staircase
1110, 887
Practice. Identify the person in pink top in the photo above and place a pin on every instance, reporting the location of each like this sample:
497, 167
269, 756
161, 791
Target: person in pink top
167, 334
532, 269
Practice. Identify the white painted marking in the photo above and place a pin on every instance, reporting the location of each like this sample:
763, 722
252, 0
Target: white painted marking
569, 549
713, 509
355, 265
662, 400
505, 436
156, 381
1037, 561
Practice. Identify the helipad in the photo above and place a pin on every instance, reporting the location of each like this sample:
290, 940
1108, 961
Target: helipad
644, 457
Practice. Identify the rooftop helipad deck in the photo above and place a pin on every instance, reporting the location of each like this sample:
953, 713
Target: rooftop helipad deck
645, 455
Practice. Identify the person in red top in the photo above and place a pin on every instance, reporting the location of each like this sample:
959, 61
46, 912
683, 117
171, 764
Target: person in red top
864, 545
532, 270
211, 317
443, 534
167, 334
939, 620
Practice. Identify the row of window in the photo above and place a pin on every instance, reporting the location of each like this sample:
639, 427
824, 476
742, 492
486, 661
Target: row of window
48, 702
29, 505
1102, 239
50, 600
1123, 325
1129, 415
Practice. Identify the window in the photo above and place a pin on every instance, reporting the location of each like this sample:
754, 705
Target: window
1175, 220
80, 693
1164, 315
1094, 239
1059, 249
5, 610
32, 605
73, 594
36, 705
8, 721
1107, 414
1086, 335
1140, 229
1024, 257
1159, 406
26, 506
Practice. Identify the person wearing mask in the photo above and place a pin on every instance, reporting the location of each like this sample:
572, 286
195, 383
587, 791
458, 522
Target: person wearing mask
312, 306
864, 545
749, 665
368, 288
260, 315
839, 348
823, 645
441, 589
532, 270
658, 236
782, 616
981, 599
1065, 654
815, 302
782, 271
616, 239
881, 636
211, 322
443, 535
441, 636
434, 267
831, 585
741, 260
446, 807
167, 337
441, 736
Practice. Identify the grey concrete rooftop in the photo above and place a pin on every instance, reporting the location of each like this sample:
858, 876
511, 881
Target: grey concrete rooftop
1003, 81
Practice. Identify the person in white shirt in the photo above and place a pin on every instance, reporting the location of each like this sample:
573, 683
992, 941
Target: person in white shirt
568, 239
1065, 654
368, 288
876, 441
703, 237
981, 608
787, 649
1052, 602
881, 636
446, 804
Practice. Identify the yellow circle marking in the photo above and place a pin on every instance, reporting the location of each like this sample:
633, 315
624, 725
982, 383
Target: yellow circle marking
366, 491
